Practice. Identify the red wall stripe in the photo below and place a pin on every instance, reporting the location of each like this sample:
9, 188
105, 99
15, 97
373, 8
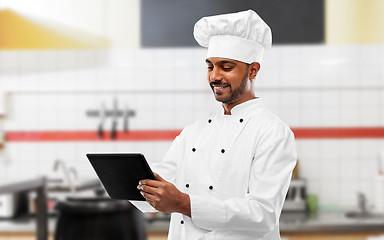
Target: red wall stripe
168, 135
138, 135
334, 132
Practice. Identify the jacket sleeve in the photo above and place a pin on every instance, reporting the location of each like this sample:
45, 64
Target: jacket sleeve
259, 211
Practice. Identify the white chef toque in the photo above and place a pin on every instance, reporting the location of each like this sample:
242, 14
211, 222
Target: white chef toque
241, 36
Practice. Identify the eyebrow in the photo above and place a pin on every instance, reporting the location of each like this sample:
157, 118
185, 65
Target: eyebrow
222, 62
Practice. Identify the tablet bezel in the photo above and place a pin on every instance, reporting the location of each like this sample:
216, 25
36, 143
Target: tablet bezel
120, 173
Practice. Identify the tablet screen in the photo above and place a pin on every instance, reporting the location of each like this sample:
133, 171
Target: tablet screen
120, 173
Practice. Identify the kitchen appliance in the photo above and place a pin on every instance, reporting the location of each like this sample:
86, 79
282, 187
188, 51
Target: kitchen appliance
296, 196
7, 205
12, 204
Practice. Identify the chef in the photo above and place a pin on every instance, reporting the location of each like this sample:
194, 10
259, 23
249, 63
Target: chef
226, 176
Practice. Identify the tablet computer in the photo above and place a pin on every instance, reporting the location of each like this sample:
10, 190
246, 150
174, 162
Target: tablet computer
120, 173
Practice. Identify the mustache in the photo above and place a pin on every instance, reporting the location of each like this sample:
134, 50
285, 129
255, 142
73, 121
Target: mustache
218, 84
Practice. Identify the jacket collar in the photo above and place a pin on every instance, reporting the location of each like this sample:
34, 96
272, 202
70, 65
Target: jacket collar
245, 107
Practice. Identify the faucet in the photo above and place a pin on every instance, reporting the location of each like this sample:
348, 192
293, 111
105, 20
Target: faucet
66, 172
73, 171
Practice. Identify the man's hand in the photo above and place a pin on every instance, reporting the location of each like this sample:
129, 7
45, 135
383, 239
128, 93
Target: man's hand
164, 196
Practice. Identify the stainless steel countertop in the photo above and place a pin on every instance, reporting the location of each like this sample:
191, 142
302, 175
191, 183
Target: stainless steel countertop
328, 221
17, 185
324, 221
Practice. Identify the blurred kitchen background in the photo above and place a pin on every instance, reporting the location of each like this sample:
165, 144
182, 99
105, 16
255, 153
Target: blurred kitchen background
127, 76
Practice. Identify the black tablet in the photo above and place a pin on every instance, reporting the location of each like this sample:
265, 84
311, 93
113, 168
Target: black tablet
120, 173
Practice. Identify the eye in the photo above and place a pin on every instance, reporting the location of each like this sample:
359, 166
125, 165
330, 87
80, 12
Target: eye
210, 68
227, 68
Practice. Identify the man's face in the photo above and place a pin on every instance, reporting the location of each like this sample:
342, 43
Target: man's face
229, 80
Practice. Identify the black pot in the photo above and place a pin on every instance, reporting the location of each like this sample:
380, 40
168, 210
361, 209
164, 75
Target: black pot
98, 219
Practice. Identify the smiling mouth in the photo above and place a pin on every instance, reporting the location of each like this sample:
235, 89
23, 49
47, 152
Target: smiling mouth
219, 88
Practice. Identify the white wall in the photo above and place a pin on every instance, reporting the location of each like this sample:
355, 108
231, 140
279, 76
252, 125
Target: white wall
307, 86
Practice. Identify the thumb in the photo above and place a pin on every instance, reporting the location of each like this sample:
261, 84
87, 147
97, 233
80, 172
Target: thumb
158, 177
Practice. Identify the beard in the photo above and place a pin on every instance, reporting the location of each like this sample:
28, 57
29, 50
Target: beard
234, 94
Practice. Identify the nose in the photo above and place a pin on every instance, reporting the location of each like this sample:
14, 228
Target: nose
215, 75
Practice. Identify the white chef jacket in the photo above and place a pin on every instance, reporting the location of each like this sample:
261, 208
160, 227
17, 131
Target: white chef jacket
236, 169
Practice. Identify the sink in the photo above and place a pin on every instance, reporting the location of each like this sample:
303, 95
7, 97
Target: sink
364, 215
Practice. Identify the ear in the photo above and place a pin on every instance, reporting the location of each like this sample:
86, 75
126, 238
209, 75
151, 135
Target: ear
253, 70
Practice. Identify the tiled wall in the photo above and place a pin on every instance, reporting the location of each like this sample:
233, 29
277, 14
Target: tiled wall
307, 86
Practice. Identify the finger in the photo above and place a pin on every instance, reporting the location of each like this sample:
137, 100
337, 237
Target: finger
145, 181
152, 183
147, 189
158, 177
142, 182
148, 196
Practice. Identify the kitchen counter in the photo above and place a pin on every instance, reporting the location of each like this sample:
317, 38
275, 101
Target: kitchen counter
17, 185
325, 221
9, 186
27, 224
328, 221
